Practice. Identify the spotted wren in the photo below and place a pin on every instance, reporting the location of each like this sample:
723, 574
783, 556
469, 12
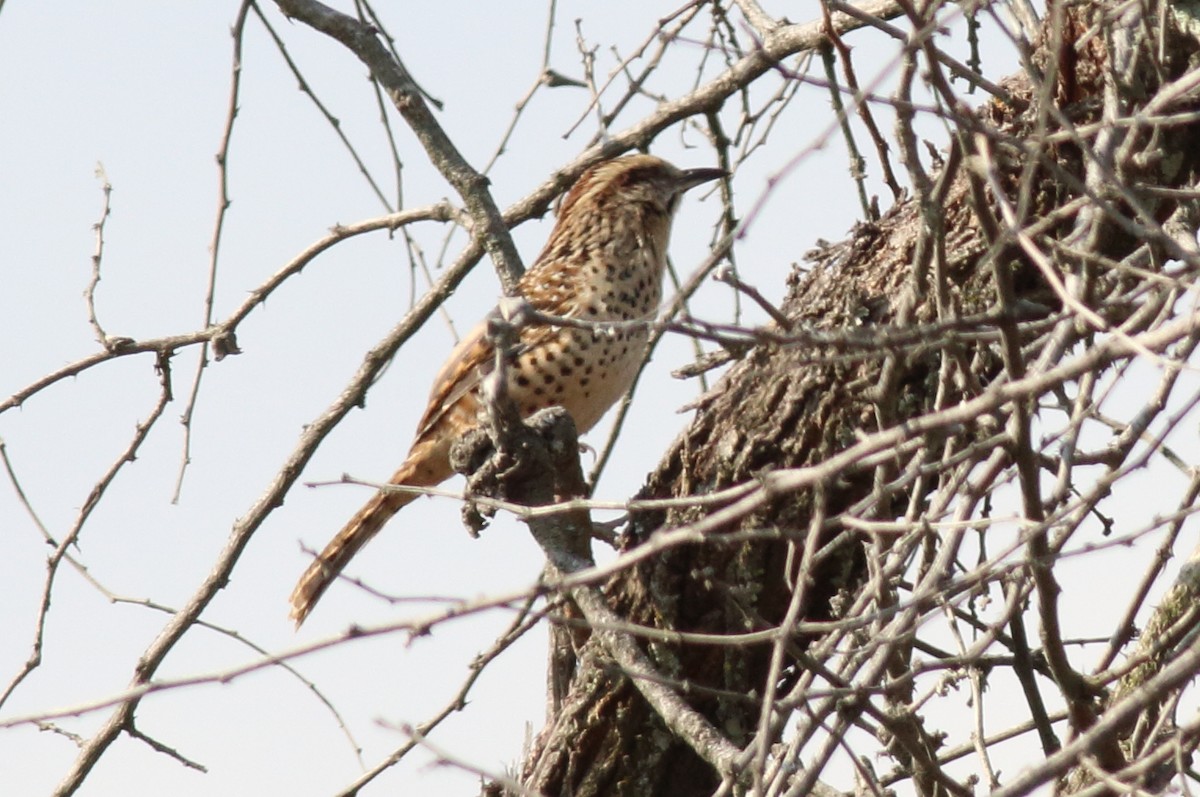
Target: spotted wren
603, 263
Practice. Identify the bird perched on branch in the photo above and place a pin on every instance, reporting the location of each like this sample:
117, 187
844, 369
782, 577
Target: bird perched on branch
604, 263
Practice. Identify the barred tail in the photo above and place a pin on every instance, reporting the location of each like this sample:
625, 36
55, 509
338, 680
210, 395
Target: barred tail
419, 470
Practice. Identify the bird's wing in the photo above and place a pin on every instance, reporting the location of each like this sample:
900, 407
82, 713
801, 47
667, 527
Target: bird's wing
468, 364
464, 369
549, 290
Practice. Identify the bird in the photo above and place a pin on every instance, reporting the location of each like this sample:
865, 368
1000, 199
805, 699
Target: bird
603, 262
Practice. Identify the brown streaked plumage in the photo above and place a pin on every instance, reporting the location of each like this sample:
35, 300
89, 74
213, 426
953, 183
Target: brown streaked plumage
604, 262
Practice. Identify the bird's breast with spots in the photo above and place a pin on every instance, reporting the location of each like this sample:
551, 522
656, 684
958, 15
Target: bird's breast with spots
584, 371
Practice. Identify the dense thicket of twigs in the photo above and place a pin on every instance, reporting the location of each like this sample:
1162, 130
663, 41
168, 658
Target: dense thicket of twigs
904, 461
852, 571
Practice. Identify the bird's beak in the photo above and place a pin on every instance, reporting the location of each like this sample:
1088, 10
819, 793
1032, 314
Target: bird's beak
694, 177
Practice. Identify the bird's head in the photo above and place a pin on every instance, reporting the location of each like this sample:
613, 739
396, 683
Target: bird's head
641, 179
